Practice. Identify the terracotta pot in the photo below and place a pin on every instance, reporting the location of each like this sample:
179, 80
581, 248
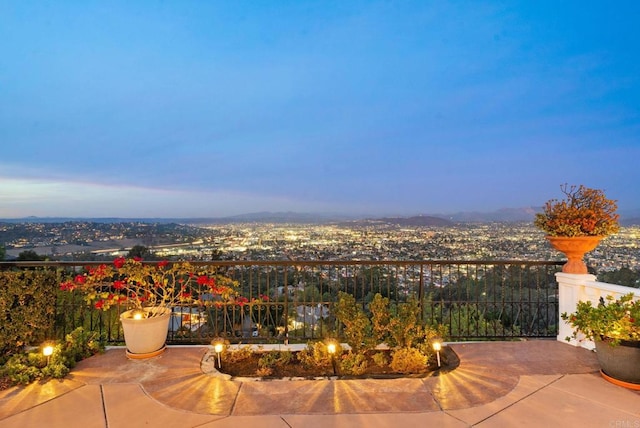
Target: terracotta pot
621, 362
145, 337
574, 248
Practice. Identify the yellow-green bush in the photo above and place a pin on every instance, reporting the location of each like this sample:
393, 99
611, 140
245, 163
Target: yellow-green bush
316, 355
408, 360
353, 364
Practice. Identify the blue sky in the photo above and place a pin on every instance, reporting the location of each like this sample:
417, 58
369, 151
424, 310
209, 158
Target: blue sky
197, 109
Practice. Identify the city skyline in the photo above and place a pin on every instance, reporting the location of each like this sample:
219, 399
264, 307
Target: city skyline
189, 109
377, 240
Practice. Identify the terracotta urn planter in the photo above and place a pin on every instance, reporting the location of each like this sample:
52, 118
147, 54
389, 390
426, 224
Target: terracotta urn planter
145, 337
574, 248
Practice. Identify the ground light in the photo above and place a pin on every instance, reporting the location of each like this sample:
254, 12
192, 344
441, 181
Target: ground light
47, 351
218, 347
437, 346
331, 349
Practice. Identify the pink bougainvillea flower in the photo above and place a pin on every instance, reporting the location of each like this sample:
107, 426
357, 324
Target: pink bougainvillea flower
67, 286
136, 284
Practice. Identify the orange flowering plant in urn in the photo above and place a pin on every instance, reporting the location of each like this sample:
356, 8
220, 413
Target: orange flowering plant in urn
149, 288
575, 225
584, 212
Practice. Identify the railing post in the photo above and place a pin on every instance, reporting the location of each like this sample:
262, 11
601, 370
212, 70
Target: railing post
575, 288
421, 292
285, 289
571, 290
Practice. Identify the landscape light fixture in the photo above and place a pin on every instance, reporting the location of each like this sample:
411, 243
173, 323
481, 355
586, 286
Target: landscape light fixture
332, 347
47, 351
218, 347
437, 346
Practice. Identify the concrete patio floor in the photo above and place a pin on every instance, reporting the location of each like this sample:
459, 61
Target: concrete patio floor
497, 384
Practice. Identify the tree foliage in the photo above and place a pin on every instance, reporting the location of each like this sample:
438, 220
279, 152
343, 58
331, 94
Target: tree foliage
30, 255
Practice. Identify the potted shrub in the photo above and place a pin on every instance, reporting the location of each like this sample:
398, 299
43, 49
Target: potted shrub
575, 225
614, 326
149, 291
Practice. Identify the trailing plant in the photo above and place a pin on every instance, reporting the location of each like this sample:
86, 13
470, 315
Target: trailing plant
611, 320
584, 212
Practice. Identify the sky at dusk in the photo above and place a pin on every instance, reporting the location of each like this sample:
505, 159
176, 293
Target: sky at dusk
217, 108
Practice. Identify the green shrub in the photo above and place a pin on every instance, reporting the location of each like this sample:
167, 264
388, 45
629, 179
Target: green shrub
275, 359
467, 318
316, 355
26, 367
380, 359
380, 317
27, 308
353, 364
404, 327
357, 327
399, 326
240, 354
78, 345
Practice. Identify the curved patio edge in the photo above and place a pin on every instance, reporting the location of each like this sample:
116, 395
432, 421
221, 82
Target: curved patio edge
489, 373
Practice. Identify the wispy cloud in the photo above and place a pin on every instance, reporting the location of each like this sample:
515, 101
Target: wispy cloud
25, 197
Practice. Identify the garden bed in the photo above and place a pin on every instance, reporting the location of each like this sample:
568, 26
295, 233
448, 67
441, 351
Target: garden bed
271, 365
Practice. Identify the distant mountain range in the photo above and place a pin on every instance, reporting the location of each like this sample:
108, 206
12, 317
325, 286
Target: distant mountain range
525, 214
504, 214
421, 220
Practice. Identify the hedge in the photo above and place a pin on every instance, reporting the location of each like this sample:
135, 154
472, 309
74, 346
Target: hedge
27, 308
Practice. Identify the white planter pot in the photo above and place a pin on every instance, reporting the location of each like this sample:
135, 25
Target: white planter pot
145, 337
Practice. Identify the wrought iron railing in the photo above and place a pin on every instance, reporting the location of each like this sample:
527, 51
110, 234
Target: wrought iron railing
293, 300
